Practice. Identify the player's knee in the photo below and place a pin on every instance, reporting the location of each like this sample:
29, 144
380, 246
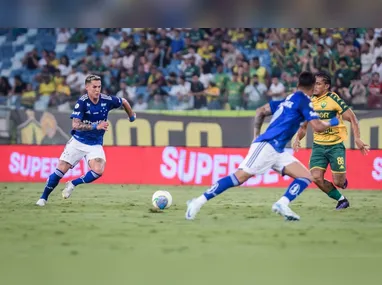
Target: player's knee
242, 176
63, 166
97, 165
317, 177
99, 169
339, 180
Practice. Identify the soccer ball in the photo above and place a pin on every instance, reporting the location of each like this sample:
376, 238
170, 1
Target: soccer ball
162, 199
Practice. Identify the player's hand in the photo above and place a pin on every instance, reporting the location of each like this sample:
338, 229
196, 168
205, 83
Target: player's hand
133, 117
103, 126
296, 145
364, 148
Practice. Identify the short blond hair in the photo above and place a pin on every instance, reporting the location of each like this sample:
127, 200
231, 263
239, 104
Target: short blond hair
91, 78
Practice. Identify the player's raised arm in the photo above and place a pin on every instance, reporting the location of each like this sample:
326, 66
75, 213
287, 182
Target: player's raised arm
261, 113
349, 115
129, 111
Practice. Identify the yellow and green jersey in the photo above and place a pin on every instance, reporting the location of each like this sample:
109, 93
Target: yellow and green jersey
329, 106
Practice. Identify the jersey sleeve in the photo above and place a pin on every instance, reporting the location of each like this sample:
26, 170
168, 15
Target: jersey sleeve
116, 102
341, 106
274, 105
306, 108
78, 111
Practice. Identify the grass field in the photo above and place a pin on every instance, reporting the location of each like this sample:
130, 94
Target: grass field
107, 235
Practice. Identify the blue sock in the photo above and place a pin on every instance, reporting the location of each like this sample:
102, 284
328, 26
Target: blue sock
296, 188
53, 181
221, 185
89, 177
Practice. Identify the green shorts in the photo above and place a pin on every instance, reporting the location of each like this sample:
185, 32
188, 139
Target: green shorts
322, 155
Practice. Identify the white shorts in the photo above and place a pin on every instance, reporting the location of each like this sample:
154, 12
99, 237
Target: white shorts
262, 156
74, 151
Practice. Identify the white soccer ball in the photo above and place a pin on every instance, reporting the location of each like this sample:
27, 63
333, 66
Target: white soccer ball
162, 199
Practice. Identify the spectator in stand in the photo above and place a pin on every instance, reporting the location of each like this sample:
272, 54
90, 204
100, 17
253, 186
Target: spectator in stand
377, 67
63, 36
358, 94
366, 59
277, 90
17, 91
197, 88
235, 93
255, 94
5, 89
375, 90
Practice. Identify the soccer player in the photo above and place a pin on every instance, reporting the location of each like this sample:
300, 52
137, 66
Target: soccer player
328, 147
267, 149
89, 125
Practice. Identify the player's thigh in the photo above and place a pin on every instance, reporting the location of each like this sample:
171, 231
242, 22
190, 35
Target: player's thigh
71, 155
96, 158
318, 158
260, 158
287, 164
337, 158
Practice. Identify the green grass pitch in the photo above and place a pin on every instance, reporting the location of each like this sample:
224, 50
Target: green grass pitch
106, 234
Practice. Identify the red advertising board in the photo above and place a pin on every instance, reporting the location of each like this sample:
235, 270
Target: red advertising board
171, 166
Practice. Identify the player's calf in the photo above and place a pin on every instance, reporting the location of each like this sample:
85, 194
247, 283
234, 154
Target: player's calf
302, 180
223, 184
97, 167
53, 181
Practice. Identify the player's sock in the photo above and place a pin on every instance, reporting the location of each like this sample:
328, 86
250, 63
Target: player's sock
53, 181
220, 186
335, 194
89, 177
295, 188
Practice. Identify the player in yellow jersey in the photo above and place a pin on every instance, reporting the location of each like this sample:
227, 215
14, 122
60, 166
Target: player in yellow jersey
328, 147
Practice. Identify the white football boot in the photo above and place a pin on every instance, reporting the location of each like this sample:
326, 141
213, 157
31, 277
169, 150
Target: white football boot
193, 207
69, 187
41, 202
285, 211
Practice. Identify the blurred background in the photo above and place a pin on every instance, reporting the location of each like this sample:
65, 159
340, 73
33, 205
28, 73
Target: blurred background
232, 71
184, 69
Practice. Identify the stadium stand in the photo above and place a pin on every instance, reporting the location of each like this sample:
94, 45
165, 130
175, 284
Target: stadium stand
181, 69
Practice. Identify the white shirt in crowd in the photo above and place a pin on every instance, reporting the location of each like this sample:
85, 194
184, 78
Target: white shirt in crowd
63, 37
255, 92
180, 89
277, 88
206, 79
367, 60
111, 42
140, 106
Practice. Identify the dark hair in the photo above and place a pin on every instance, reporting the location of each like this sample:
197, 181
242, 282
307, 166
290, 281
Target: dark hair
306, 79
325, 77
343, 59
321, 46
91, 78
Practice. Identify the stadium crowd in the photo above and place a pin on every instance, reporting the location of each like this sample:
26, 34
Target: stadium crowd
183, 69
